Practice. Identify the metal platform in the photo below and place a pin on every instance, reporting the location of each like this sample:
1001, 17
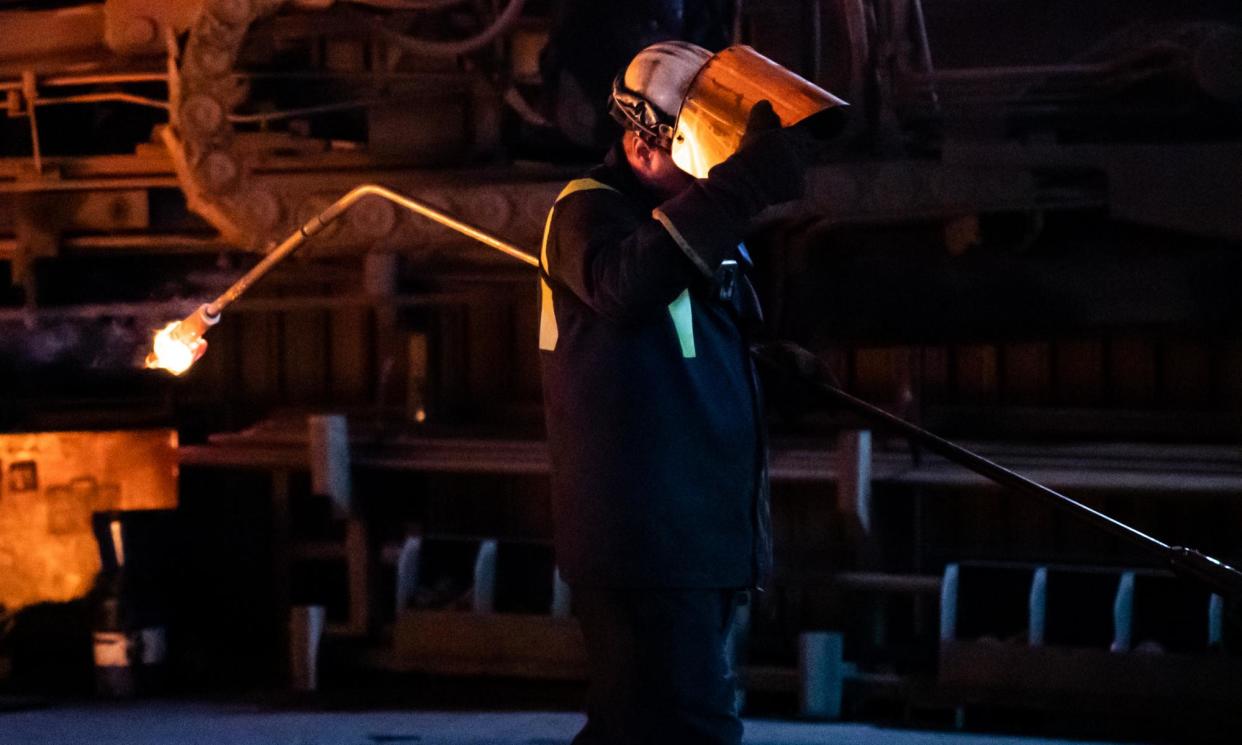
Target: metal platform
282, 443
166, 723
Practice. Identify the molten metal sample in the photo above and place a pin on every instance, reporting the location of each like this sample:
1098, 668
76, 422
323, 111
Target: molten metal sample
178, 345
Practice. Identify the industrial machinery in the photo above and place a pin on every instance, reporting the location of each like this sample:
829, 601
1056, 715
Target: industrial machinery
1025, 237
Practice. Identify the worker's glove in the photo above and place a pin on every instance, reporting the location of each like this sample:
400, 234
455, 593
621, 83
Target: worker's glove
711, 217
794, 362
768, 168
761, 120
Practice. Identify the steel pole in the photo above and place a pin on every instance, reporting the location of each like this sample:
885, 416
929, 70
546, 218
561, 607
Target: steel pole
1187, 562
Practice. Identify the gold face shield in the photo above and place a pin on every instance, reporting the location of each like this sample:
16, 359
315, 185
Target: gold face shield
713, 115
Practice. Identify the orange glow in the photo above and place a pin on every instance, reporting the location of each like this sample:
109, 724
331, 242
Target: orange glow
52, 483
175, 349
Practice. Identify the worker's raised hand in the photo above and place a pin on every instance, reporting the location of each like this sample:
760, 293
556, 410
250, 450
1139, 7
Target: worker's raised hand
713, 214
794, 362
761, 120
807, 137
769, 167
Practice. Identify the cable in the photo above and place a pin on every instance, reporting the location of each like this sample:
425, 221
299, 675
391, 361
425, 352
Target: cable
268, 116
427, 48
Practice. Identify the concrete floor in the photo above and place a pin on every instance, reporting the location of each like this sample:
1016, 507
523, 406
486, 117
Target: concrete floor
167, 723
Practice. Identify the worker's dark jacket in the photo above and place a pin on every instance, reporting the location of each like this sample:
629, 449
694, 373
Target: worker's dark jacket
659, 474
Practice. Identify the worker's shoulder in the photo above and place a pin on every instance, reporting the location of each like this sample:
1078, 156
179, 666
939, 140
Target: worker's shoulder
594, 195
599, 181
603, 180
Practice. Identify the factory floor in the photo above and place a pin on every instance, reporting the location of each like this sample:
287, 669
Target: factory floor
178, 723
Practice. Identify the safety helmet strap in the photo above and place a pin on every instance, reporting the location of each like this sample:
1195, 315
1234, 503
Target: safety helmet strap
633, 111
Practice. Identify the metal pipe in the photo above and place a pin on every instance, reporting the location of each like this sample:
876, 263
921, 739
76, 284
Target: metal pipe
109, 97
30, 93
96, 184
73, 80
105, 78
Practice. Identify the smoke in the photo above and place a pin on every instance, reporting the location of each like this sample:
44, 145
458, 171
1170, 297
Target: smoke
108, 343
44, 346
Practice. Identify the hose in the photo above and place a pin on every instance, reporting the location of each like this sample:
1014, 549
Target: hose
427, 48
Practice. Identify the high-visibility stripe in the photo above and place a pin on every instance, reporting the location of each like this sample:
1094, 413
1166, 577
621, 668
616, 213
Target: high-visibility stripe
549, 332
683, 320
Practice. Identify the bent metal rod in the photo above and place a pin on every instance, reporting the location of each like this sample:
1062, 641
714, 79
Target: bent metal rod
338, 208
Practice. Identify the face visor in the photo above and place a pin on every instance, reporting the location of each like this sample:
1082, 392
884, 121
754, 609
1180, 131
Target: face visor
713, 115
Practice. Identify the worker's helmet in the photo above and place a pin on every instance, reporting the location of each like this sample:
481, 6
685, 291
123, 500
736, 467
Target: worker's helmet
647, 95
682, 98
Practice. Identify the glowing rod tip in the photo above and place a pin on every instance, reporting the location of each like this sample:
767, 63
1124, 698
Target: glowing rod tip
178, 345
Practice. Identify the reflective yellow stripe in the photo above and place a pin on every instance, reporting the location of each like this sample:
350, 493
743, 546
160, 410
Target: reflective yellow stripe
581, 184
683, 320
549, 332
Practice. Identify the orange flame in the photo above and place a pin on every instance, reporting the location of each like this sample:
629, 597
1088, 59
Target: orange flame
175, 349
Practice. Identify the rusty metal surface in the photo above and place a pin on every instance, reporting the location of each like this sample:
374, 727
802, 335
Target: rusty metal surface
109, 194
216, 164
200, 136
134, 26
52, 484
49, 40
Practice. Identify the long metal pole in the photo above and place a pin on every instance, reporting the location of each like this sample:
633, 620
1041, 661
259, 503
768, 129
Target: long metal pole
1188, 562
993, 470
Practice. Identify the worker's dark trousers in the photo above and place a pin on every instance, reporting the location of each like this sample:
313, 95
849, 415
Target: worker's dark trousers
658, 666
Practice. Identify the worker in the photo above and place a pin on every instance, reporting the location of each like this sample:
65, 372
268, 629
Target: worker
659, 477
